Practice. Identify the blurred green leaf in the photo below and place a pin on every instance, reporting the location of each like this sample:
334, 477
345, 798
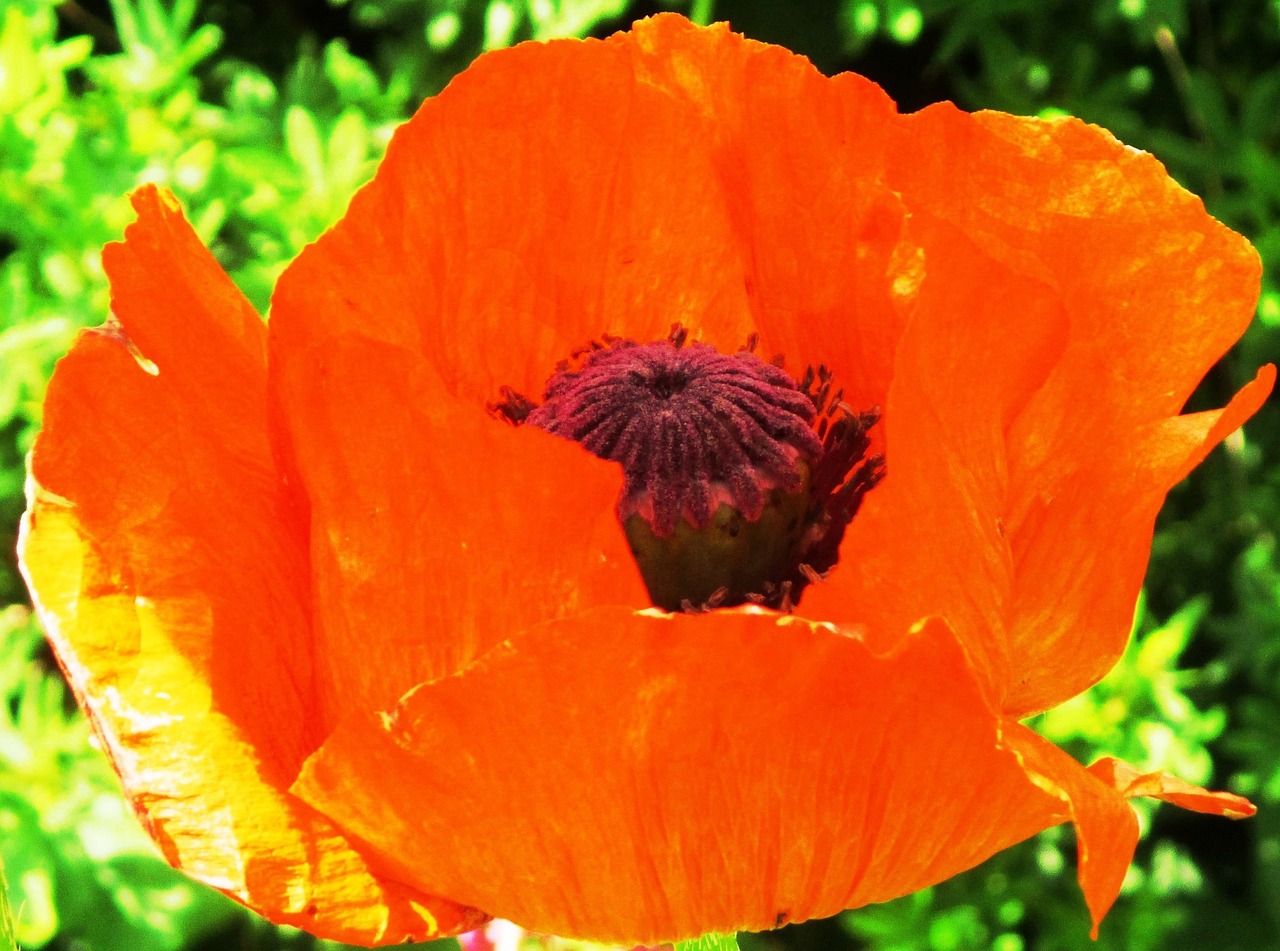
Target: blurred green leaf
8, 935
709, 942
31, 865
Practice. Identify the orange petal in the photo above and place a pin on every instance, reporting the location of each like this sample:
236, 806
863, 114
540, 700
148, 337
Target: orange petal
365, 461
640, 777
802, 160
930, 540
1080, 556
515, 219
436, 531
670, 173
1106, 828
164, 557
1131, 784
1153, 291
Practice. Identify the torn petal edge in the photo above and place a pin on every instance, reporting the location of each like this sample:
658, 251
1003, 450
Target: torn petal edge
1106, 827
1097, 803
1131, 783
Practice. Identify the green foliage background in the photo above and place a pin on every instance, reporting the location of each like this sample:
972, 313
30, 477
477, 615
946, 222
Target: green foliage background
264, 117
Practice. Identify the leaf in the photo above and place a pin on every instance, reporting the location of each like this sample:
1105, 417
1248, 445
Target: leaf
1160, 649
69, 53
348, 149
32, 866
302, 138
351, 76
709, 942
500, 22
1260, 104
126, 24
160, 32
202, 44
154, 907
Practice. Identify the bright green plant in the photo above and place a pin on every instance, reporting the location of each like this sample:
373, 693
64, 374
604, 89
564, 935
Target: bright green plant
8, 937
265, 133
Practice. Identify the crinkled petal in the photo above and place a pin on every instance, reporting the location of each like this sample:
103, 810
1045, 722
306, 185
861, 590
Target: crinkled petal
166, 561
1106, 828
436, 530
546, 197
669, 173
639, 777
1132, 784
1156, 290
1153, 291
1070, 625
930, 539
801, 159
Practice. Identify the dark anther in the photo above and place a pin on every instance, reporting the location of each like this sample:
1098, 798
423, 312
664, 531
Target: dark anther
718, 599
513, 407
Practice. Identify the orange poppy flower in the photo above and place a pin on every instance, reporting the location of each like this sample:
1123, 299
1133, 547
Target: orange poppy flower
379, 664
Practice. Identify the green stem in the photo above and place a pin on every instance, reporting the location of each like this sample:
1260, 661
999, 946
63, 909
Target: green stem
709, 942
700, 12
7, 940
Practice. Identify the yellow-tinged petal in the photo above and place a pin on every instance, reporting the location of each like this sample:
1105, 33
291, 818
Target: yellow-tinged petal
167, 565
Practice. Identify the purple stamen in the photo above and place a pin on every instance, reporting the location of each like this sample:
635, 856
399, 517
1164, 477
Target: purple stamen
739, 481
688, 424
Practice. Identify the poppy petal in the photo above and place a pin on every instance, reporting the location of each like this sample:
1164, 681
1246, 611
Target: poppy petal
1132, 784
162, 554
436, 530
1153, 291
801, 158
1106, 828
1156, 290
639, 777
930, 539
1071, 625
512, 221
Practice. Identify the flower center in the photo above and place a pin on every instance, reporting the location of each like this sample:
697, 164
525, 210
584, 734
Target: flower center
731, 494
